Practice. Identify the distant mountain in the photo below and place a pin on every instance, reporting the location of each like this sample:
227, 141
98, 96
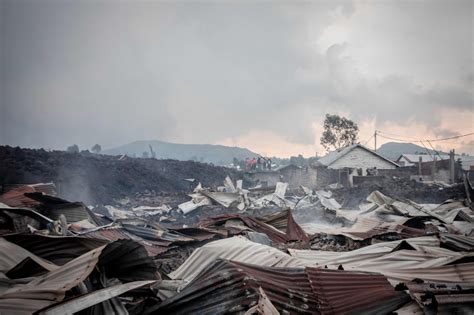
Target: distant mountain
392, 150
209, 153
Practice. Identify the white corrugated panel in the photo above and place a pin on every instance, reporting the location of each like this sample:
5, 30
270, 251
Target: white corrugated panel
235, 248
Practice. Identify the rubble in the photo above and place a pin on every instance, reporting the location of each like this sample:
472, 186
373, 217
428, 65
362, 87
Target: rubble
235, 249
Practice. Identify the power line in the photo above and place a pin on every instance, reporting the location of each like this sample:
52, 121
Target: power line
367, 141
381, 134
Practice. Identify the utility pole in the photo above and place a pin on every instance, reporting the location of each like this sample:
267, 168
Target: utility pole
451, 166
375, 140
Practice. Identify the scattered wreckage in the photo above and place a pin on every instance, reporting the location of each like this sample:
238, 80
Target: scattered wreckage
267, 252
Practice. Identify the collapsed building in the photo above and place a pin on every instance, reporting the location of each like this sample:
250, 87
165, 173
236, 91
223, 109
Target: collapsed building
236, 249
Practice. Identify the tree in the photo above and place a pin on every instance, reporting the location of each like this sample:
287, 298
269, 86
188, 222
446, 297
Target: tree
96, 148
73, 149
338, 132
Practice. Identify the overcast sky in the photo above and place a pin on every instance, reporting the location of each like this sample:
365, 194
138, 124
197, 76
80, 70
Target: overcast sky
260, 75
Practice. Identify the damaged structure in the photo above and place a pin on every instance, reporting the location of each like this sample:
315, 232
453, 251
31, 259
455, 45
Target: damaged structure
237, 249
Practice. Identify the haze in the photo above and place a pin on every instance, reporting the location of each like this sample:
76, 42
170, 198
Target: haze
257, 75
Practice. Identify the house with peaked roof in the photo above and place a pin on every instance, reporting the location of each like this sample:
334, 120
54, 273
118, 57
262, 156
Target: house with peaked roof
355, 160
414, 159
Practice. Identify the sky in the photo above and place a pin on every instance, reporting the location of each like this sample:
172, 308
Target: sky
254, 74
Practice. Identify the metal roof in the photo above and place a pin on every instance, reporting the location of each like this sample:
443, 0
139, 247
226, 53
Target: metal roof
333, 156
342, 292
237, 249
415, 158
125, 260
15, 197
229, 286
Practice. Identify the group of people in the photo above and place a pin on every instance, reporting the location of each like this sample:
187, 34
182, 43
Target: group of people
258, 163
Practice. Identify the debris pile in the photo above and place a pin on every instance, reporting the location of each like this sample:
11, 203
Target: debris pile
249, 251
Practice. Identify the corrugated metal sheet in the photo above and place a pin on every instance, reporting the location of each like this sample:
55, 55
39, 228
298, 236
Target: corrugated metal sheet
233, 287
12, 254
237, 249
395, 262
341, 292
124, 259
449, 274
443, 298
15, 197
457, 242
56, 249
115, 233
49, 288
228, 286
87, 300
293, 232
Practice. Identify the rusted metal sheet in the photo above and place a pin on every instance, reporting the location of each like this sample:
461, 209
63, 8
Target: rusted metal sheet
293, 230
443, 298
226, 286
115, 233
15, 197
342, 292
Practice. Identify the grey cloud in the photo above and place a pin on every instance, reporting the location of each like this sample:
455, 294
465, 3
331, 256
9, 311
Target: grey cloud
112, 72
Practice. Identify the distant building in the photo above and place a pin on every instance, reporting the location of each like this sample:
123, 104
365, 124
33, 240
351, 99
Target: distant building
414, 159
356, 156
292, 174
354, 160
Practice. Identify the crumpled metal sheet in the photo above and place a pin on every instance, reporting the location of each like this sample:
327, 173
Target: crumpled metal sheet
90, 299
293, 231
13, 254
237, 249
229, 286
16, 196
49, 288
343, 292
457, 242
56, 249
443, 298
125, 260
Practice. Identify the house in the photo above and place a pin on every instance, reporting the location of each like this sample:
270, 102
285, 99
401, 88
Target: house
414, 159
292, 174
354, 160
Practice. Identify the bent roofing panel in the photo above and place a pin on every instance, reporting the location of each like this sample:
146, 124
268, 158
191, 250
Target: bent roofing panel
457, 242
316, 257
342, 292
118, 233
56, 249
333, 156
49, 288
82, 302
230, 286
237, 249
226, 286
17, 254
125, 260
16, 196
